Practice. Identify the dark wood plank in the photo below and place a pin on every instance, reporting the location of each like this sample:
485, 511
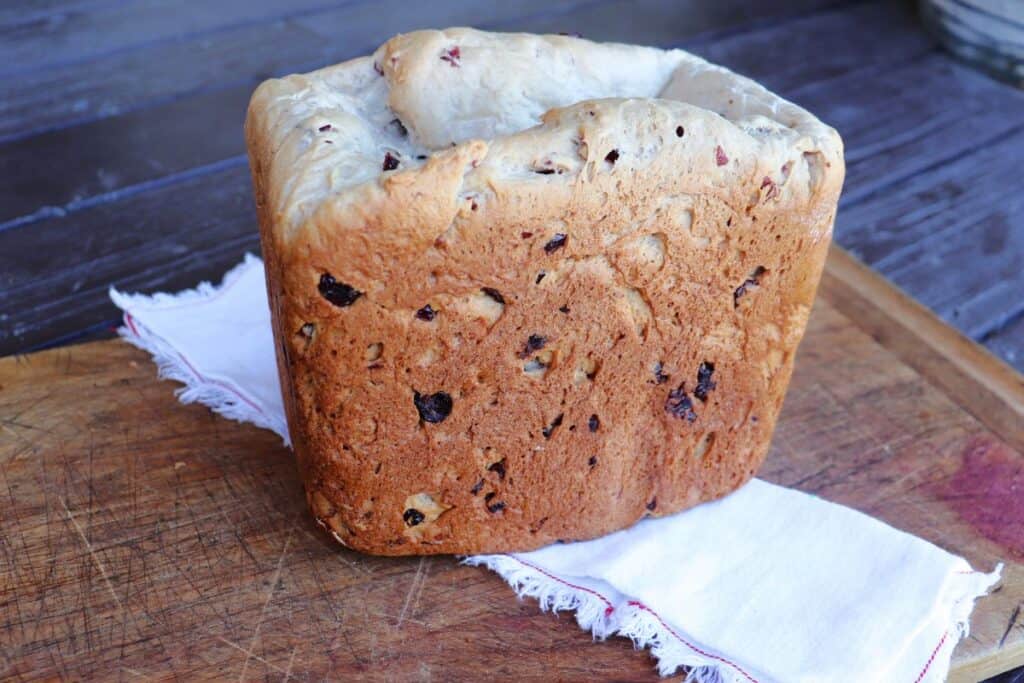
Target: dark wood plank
981, 271
873, 36
46, 98
170, 138
910, 119
202, 129
154, 144
900, 104
150, 144
951, 236
90, 30
54, 273
55, 11
60, 171
62, 96
915, 118
646, 22
1007, 342
240, 55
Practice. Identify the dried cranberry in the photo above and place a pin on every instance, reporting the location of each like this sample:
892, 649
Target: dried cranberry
550, 429
563, 309
477, 487
592, 461
534, 342
612, 157
402, 130
556, 242
526, 235
659, 374
494, 294
753, 281
495, 507
720, 158
773, 189
593, 423
324, 128
498, 468
390, 162
412, 517
680, 131
739, 292
426, 313
452, 55
433, 407
653, 504
704, 383
338, 293
540, 276
678, 404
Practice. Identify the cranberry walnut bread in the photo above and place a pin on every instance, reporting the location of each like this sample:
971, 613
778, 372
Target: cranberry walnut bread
532, 288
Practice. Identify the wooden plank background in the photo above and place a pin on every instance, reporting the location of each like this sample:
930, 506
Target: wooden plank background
121, 146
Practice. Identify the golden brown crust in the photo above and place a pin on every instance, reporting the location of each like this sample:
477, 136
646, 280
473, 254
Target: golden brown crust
615, 336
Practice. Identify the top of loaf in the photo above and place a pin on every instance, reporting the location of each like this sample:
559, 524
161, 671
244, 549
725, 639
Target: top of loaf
549, 108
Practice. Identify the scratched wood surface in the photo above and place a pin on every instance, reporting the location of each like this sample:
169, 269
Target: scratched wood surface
141, 537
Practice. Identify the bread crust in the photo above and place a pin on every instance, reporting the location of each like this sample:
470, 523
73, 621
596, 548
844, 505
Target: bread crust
615, 299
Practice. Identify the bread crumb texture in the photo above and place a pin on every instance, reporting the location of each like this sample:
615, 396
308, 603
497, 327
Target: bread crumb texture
530, 289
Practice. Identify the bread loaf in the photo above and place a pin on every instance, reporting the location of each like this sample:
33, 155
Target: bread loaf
530, 289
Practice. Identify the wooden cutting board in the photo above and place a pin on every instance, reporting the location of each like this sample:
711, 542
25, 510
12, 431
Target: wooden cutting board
140, 537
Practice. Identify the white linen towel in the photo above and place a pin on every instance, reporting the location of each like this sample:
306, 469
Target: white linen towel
767, 584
